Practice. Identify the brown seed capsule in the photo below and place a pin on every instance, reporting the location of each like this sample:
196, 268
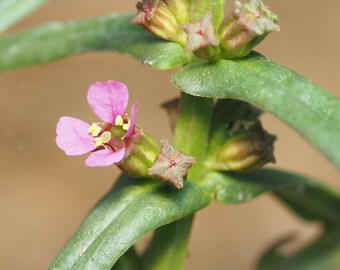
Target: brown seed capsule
159, 18
171, 165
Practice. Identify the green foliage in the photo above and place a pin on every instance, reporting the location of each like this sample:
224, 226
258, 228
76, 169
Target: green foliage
12, 11
323, 254
312, 202
168, 247
127, 212
122, 217
135, 207
307, 197
306, 107
129, 261
106, 33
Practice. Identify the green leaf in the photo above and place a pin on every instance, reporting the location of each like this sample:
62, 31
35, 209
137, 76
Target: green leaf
111, 32
130, 210
199, 8
168, 247
130, 260
320, 255
306, 107
241, 187
307, 197
312, 202
12, 11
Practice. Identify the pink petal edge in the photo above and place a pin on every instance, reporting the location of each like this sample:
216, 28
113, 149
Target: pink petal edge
73, 137
108, 99
131, 129
105, 157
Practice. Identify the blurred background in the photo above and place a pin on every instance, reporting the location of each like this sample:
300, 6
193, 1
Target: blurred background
45, 195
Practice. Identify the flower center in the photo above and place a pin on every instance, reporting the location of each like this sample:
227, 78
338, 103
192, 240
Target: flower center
103, 139
121, 122
110, 135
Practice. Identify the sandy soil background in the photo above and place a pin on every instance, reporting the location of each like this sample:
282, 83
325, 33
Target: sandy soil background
44, 194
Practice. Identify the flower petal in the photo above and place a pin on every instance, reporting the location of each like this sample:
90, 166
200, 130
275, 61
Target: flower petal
131, 129
73, 137
105, 157
108, 99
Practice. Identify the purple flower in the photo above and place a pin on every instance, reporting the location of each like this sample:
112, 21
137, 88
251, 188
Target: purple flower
104, 140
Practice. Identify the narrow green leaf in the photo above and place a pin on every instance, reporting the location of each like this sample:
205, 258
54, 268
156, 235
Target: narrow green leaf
12, 11
130, 260
320, 255
111, 32
319, 100
106, 210
168, 247
307, 197
306, 107
312, 202
122, 217
233, 188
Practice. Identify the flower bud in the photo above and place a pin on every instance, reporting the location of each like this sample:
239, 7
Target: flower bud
159, 18
245, 27
201, 38
248, 147
180, 9
141, 152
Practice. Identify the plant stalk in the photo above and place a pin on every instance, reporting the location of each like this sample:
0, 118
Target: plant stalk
168, 248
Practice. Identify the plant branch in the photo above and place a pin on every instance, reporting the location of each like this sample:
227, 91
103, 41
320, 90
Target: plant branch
168, 248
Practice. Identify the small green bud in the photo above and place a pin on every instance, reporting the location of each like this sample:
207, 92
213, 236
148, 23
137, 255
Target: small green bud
245, 27
141, 152
159, 18
201, 38
248, 147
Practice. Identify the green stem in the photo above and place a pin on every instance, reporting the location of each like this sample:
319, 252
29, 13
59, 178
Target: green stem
168, 248
192, 130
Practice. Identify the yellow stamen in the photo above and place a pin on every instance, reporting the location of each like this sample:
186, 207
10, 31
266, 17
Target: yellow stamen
94, 130
97, 142
104, 138
119, 120
126, 126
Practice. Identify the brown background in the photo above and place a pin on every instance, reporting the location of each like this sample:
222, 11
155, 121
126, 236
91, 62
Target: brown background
44, 194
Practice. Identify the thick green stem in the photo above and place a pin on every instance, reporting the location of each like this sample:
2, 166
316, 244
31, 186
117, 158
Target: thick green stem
192, 130
168, 248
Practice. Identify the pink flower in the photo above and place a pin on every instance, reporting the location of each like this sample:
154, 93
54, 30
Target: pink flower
104, 140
